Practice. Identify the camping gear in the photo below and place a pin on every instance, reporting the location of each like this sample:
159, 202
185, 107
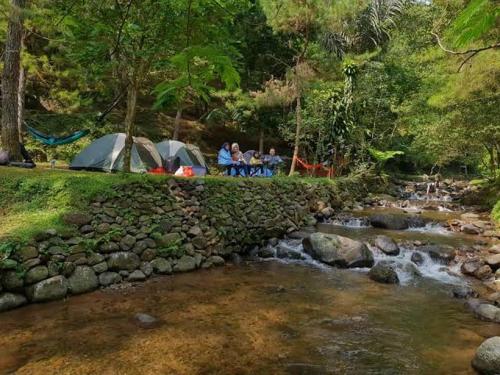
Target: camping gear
51, 140
176, 154
107, 154
185, 171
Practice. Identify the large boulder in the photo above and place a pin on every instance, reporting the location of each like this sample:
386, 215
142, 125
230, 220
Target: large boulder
36, 274
161, 266
338, 251
123, 261
384, 272
487, 358
440, 253
485, 311
389, 221
47, 290
387, 245
10, 301
185, 263
83, 280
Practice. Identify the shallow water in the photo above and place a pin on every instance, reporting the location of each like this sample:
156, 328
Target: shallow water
257, 318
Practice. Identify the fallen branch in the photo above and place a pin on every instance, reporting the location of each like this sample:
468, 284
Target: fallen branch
471, 52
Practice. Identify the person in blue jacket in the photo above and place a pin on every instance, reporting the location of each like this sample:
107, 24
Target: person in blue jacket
224, 159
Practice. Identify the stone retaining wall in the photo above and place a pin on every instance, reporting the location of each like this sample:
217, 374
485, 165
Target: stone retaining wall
159, 228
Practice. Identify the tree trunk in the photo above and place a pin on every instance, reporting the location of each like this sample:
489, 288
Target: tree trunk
10, 81
20, 101
298, 127
132, 91
177, 124
261, 140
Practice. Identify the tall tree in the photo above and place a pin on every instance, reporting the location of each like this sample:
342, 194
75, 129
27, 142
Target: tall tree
123, 42
10, 80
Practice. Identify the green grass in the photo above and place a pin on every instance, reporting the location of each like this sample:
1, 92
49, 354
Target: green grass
495, 213
35, 200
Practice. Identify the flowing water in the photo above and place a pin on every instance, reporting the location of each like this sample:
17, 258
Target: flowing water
261, 317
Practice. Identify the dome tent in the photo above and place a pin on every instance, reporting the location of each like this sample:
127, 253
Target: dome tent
107, 154
181, 154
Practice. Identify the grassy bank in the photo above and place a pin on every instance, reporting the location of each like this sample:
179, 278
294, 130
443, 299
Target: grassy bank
35, 200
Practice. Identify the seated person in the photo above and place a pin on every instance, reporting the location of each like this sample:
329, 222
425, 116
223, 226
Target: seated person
256, 164
237, 157
272, 161
225, 159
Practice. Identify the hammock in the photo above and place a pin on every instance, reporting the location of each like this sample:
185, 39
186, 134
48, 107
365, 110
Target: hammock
316, 169
303, 164
50, 140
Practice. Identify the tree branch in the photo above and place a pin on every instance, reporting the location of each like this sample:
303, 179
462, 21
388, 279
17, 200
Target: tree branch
470, 53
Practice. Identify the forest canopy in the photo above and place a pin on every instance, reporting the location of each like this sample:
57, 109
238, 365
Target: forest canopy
325, 80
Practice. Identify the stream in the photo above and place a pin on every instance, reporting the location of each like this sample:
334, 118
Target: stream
264, 316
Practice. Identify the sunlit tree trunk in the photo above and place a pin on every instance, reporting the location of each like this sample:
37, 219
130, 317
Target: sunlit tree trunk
132, 92
10, 81
20, 101
298, 129
177, 124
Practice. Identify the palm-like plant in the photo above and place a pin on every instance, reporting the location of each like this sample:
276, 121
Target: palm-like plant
370, 29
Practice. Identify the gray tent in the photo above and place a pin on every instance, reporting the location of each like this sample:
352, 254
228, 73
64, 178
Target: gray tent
182, 154
107, 154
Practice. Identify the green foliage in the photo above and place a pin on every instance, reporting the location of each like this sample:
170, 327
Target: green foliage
495, 213
174, 250
476, 20
197, 68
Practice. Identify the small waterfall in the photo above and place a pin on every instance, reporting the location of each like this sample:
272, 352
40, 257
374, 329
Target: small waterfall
432, 228
351, 222
409, 272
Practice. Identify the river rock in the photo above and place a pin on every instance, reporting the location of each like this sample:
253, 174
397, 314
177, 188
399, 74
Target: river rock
487, 358
9, 301
36, 274
493, 261
108, 278
145, 320
100, 267
463, 292
389, 221
47, 290
147, 268
417, 258
266, 252
488, 312
338, 251
217, 260
127, 242
161, 266
123, 261
83, 280
470, 229
27, 252
109, 247
387, 245
469, 267
185, 263
442, 253
12, 281
384, 272
483, 272
136, 276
